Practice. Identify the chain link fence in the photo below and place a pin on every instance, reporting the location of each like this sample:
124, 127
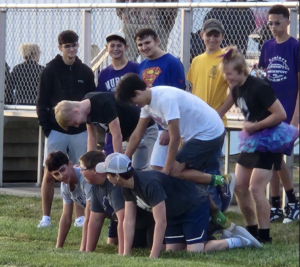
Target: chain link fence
39, 28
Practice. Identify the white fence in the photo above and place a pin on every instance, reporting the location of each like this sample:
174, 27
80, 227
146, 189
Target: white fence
177, 25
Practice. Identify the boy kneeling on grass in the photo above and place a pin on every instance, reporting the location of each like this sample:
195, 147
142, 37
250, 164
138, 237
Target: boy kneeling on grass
74, 188
107, 201
180, 209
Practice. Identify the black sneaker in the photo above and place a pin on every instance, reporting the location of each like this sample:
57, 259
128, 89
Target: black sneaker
291, 211
264, 241
276, 214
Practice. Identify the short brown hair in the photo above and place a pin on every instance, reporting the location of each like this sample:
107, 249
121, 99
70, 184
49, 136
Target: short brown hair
64, 112
92, 158
55, 160
234, 56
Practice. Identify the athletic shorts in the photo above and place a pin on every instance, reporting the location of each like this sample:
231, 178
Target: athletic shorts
260, 160
75, 145
189, 228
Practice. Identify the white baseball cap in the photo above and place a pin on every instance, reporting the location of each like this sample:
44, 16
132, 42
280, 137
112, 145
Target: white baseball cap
114, 163
116, 34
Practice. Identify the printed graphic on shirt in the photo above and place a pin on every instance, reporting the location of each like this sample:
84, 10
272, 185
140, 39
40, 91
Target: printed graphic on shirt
112, 84
243, 107
140, 203
277, 69
213, 72
150, 75
107, 205
81, 199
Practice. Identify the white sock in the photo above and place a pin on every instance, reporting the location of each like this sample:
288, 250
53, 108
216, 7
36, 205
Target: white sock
46, 218
234, 242
79, 219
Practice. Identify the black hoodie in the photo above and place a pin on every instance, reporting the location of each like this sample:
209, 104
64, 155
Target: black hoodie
62, 82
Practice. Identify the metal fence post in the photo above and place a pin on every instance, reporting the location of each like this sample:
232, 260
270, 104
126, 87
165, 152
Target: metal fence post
293, 22
2, 84
185, 38
86, 36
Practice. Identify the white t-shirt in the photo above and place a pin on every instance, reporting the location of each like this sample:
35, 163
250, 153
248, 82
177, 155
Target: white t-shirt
196, 118
81, 194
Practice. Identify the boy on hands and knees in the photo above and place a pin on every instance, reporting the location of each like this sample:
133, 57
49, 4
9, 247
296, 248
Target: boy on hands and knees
107, 201
159, 68
101, 110
180, 209
73, 188
281, 55
173, 109
64, 78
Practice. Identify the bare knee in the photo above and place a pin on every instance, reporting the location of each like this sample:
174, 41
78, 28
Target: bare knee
156, 168
256, 192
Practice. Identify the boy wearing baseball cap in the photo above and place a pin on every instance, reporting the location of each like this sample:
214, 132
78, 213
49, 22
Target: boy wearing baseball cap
208, 82
107, 201
180, 209
116, 46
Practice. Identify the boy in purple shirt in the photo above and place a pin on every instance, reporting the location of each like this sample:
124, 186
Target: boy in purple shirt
109, 77
280, 58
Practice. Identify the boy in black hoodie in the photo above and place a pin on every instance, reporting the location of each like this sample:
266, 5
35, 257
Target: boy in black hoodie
64, 78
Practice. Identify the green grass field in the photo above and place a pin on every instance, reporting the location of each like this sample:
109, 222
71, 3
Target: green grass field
22, 244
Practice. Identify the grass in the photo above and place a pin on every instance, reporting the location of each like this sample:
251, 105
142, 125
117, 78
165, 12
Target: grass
22, 244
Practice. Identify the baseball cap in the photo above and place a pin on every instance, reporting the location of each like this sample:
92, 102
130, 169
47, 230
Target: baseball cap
115, 34
114, 163
213, 25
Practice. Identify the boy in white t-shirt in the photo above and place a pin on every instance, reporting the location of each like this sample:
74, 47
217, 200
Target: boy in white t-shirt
74, 188
187, 118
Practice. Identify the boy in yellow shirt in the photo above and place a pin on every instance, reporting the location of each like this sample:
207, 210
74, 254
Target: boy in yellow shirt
209, 84
204, 74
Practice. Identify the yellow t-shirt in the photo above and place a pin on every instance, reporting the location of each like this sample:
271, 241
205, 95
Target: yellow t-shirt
207, 80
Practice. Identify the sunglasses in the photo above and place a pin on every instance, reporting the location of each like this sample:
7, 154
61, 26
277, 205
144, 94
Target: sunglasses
69, 46
276, 23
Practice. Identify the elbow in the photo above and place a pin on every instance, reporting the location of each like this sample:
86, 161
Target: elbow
283, 116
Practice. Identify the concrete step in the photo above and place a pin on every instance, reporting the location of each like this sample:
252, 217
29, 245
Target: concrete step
20, 164
16, 150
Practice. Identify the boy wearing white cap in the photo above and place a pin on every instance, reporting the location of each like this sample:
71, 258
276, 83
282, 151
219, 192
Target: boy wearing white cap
180, 209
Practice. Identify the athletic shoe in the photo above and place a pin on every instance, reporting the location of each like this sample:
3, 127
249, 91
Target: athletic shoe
291, 212
226, 191
276, 214
42, 224
79, 222
247, 239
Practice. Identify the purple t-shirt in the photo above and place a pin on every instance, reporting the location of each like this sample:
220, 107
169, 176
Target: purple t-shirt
109, 77
281, 62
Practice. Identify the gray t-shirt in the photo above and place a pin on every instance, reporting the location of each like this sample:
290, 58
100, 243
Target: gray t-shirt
107, 198
82, 193
153, 187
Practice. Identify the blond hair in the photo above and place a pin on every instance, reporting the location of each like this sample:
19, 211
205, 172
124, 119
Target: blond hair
236, 58
64, 112
28, 51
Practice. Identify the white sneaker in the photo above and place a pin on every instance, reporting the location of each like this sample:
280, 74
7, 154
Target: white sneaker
43, 224
247, 239
79, 222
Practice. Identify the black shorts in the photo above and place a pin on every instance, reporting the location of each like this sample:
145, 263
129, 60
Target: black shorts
261, 160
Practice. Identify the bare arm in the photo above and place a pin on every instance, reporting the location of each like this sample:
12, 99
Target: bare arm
94, 230
92, 137
129, 226
117, 138
159, 215
226, 106
120, 215
64, 224
295, 119
137, 136
174, 133
85, 227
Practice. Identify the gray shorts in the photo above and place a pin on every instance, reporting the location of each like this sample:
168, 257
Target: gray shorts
74, 145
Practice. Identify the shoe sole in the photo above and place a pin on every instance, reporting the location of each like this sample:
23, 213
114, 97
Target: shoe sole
231, 189
238, 230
